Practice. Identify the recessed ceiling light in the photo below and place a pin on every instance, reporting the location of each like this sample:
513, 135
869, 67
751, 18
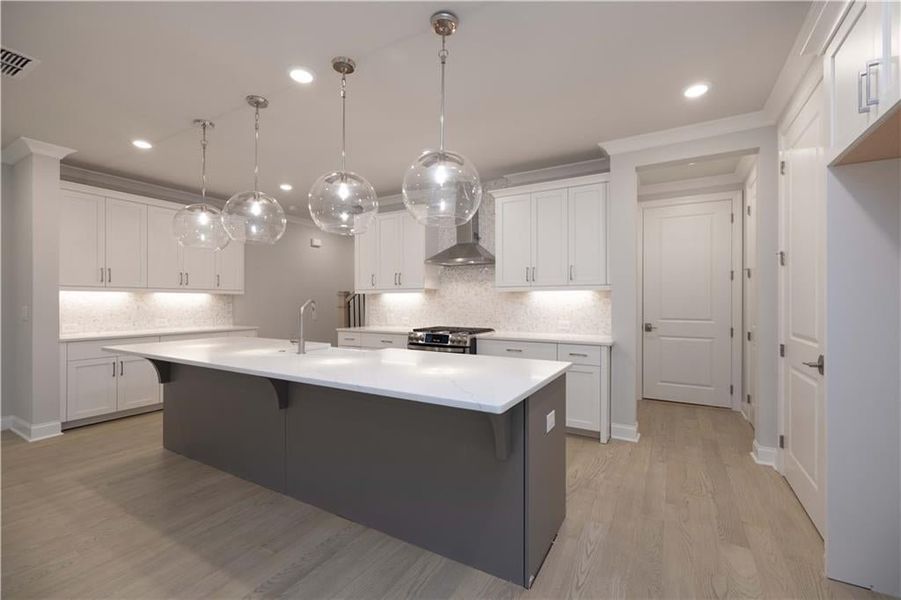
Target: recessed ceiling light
696, 90
301, 75
286, 187
142, 144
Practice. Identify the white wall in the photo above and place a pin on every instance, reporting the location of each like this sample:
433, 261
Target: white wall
279, 278
624, 256
863, 391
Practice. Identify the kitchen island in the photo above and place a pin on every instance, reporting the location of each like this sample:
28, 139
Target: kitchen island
463, 455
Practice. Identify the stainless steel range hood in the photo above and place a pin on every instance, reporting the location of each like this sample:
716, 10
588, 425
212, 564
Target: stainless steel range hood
467, 251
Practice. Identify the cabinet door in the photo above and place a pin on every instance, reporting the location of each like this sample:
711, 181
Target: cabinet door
199, 267
163, 266
583, 397
126, 244
230, 267
390, 251
81, 240
513, 216
857, 43
588, 235
549, 231
412, 259
90, 387
366, 255
137, 383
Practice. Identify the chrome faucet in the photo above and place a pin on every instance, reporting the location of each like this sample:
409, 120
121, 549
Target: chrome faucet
311, 304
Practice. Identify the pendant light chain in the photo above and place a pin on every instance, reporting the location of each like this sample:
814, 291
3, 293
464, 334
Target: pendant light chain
256, 149
343, 122
443, 56
203, 162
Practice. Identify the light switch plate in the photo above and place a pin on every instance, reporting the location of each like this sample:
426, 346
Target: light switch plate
315, 242
551, 420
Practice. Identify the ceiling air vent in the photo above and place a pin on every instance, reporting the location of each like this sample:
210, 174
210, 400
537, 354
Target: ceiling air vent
15, 64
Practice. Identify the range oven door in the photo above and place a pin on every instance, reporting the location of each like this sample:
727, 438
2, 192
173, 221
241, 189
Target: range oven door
439, 348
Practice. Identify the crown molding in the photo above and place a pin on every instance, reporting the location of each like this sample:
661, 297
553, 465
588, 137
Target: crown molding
132, 186
22, 147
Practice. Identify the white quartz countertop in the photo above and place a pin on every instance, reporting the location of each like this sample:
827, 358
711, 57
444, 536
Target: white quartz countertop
487, 384
514, 336
130, 333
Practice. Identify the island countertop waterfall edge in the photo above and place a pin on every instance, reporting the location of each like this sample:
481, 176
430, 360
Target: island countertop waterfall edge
476, 474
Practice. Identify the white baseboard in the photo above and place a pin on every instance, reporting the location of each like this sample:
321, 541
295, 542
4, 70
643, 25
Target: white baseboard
626, 433
764, 455
33, 433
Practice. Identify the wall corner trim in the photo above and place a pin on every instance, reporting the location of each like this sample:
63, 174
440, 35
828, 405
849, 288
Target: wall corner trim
23, 146
32, 433
626, 433
764, 455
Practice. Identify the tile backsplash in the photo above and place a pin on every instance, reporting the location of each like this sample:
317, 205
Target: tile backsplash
102, 311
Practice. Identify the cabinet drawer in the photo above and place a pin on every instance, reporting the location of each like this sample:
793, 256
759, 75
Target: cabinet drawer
579, 354
93, 348
537, 350
383, 340
346, 338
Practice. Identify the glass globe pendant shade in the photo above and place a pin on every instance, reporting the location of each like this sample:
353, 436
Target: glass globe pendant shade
200, 226
343, 202
442, 189
254, 217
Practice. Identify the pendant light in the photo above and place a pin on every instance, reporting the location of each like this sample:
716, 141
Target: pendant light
200, 225
441, 188
254, 217
343, 202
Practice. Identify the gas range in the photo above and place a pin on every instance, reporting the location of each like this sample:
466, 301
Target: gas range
460, 340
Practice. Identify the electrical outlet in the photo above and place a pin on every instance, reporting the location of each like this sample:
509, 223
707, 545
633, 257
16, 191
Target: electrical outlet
551, 420
316, 242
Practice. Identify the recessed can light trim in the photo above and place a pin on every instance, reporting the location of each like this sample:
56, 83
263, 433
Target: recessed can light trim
301, 75
142, 144
286, 187
696, 90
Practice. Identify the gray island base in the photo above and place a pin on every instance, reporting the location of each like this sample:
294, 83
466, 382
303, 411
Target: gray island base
486, 490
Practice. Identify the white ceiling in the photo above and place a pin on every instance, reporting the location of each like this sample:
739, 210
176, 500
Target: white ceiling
529, 84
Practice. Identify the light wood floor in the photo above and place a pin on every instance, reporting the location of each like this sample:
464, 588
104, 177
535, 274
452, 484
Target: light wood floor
104, 511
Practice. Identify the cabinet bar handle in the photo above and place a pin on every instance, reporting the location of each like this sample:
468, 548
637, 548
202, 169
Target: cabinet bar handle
102, 279
109, 275
121, 367
861, 107
187, 278
570, 272
399, 279
513, 350
527, 274
533, 274
870, 101
349, 339
217, 279
114, 368
578, 354
372, 280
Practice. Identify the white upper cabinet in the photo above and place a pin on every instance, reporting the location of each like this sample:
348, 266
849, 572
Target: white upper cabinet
587, 235
390, 256
81, 232
126, 242
552, 235
861, 71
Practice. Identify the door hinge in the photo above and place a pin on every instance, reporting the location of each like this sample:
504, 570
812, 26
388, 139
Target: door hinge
749, 272
749, 336
781, 349
732, 332
782, 258
732, 217
782, 167
749, 210
731, 275
731, 389
749, 398
782, 441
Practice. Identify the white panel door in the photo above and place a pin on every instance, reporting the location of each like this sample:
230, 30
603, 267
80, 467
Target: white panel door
126, 244
230, 267
390, 250
137, 383
163, 263
513, 216
588, 235
688, 302
90, 387
366, 256
412, 270
549, 231
583, 397
199, 268
81, 240
804, 217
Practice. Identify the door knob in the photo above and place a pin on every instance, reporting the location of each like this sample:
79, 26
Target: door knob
819, 365
649, 328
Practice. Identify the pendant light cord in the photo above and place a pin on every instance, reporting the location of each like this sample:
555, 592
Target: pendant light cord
256, 149
203, 162
443, 56
343, 122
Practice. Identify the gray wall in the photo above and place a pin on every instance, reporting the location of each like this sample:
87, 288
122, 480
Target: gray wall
279, 278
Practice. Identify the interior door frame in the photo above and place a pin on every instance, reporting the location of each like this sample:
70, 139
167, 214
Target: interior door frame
736, 196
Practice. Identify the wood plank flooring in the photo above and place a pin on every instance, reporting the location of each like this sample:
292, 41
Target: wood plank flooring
105, 512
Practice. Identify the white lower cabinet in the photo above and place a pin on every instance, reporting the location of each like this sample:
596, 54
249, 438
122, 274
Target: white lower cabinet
587, 380
382, 340
137, 384
91, 388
